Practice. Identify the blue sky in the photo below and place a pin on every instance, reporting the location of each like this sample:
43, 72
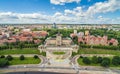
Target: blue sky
60, 11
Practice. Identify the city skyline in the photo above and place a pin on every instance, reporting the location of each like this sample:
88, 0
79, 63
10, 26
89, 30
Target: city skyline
60, 11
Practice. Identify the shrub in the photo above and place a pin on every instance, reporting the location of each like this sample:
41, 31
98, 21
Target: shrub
86, 60
81, 56
9, 57
99, 59
73, 53
105, 62
2, 56
116, 60
35, 56
94, 60
43, 53
22, 57
3, 62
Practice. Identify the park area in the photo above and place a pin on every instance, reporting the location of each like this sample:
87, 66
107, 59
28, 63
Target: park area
20, 51
98, 51
27, 60
113, 62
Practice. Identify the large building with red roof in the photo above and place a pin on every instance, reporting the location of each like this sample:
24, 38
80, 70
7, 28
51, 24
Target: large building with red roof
94, 40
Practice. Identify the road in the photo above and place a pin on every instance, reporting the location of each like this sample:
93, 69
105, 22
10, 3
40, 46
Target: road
43, 67
60, 69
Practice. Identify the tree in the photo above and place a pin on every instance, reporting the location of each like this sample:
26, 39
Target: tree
75, 39
9, 57
21, 45
43, 53
3, 62
86, 60
2, 56
35, 56
73, 53
81, 56
99, 59
116, 60
94, 60
22, 57
105, 62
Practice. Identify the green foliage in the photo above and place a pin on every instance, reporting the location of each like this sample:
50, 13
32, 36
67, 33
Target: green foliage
9, 57
94, 60
86, 60
81, 56
98, 51
116, 60
43, 53
75, 40
27, 60
74, 53
19, 51
64, 32
99, 59
59, 53
19, 45
2, 56
22, 57
105, 62
100, 47
35, 56
3, 62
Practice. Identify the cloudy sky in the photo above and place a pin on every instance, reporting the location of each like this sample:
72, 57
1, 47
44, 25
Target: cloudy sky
60, 11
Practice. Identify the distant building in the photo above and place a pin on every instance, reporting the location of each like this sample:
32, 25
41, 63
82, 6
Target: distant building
81, 34
58, 44
93, 40
75, 31
54, 25
26, 30
58, 41
86, 33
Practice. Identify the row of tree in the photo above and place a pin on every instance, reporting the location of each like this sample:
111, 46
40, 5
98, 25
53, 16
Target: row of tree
103, 61
4, 61
100, 47
19, 46
95, 32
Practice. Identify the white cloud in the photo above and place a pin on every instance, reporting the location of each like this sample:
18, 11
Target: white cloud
62, 2
103, 7
76, 15
6, 17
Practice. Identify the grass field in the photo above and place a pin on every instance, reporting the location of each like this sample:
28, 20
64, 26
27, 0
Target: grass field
58, 53
28, 60
79, 60
98, 51
20, 51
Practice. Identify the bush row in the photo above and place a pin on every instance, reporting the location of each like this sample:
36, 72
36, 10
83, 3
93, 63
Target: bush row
4, 61
103, 61
100, 47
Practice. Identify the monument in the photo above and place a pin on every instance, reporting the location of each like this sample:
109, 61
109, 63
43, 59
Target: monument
55, 45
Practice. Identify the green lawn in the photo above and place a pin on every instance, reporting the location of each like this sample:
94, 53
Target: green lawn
79, 60
98, 51
28, 60
58, 53
20, 51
